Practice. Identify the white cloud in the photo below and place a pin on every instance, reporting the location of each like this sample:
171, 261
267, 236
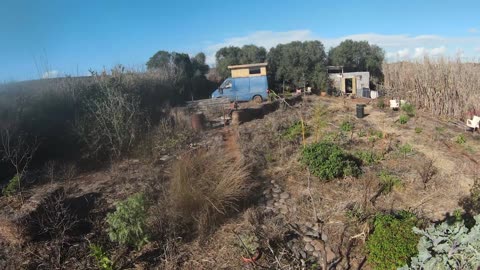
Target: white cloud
473, 30
398, 47
50, 74
477, 49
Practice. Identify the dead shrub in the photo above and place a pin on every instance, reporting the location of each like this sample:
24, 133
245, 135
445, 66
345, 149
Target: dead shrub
207, 186
426, 170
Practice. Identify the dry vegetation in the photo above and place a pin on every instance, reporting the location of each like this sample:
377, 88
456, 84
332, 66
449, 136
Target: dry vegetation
440, 86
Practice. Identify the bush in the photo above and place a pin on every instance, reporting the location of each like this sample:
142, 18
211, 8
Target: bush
367, 157
101, 257
327, 160
206, 187
393, 242
405, 149
448, 246
418, 130
12, 187
409, 109
403, 119
388, 182
127, 225
381, 103
294, 132
346, 126
460, 139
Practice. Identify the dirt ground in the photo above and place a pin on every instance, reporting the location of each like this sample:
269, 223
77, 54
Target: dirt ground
304, 223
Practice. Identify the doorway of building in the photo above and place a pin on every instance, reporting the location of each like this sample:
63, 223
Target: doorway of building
348, 85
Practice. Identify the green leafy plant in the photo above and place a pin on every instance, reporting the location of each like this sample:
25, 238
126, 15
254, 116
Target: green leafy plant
346, 126
362, 133
439, 129
12, 187
376, 133
448, 246
388, 182
409, 109
418, 130
327, 160
403, 119
460, 139
127, 225
101, 257
248, 243
393, 242
295, 131
367, 157
405, 149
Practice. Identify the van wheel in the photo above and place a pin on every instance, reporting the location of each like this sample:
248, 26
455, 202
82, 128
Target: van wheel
257, 99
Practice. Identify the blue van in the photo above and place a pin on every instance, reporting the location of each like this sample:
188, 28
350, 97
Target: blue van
244, 89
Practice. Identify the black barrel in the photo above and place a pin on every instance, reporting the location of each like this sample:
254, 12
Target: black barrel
360, 110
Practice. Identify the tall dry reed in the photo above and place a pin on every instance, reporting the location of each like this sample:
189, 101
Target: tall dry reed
441, 86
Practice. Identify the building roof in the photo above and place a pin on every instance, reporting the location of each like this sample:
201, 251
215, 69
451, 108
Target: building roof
248, 66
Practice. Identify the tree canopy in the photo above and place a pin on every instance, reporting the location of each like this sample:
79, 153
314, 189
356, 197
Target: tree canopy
188, 73
299, 63
247, 54
358, 56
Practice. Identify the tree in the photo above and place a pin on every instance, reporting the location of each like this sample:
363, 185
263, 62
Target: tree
228, 56
299, 63
200, 68
358, 56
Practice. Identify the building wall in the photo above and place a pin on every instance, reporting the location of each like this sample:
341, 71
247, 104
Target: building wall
362, 80
245, 72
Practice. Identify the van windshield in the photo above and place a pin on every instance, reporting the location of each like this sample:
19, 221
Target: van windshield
226, 84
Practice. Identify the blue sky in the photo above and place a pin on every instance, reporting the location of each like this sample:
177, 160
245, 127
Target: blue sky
53, 38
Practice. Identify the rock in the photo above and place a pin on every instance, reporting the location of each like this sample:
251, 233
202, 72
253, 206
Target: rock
309, 247
165, 158
317, 254
284, 211
318, 245
270, 203
277, 204
312, 233
284, 195
134, 161
276, 190
308, 224
330, 255
307, 239
266, 191
273, 182
324, 237
275, 195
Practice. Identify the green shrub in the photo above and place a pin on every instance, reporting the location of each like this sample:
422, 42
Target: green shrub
12, 187
101, 257
294, 132
403, 119
327, 160
405, 149
409, 109
376, 133
127, 225
381, 103
346, 126
388, 182
418, 130
362, 133
367, 157
448, 246
460, 139
248, 243
393, 242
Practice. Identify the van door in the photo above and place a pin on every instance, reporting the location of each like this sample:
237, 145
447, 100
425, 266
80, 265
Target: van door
242, 89
227, 89
258, 87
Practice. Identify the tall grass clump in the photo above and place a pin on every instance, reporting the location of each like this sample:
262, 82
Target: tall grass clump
206, 187
441, 86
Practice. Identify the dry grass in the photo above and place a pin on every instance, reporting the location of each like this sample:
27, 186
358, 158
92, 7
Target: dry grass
207, 186
442, 86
